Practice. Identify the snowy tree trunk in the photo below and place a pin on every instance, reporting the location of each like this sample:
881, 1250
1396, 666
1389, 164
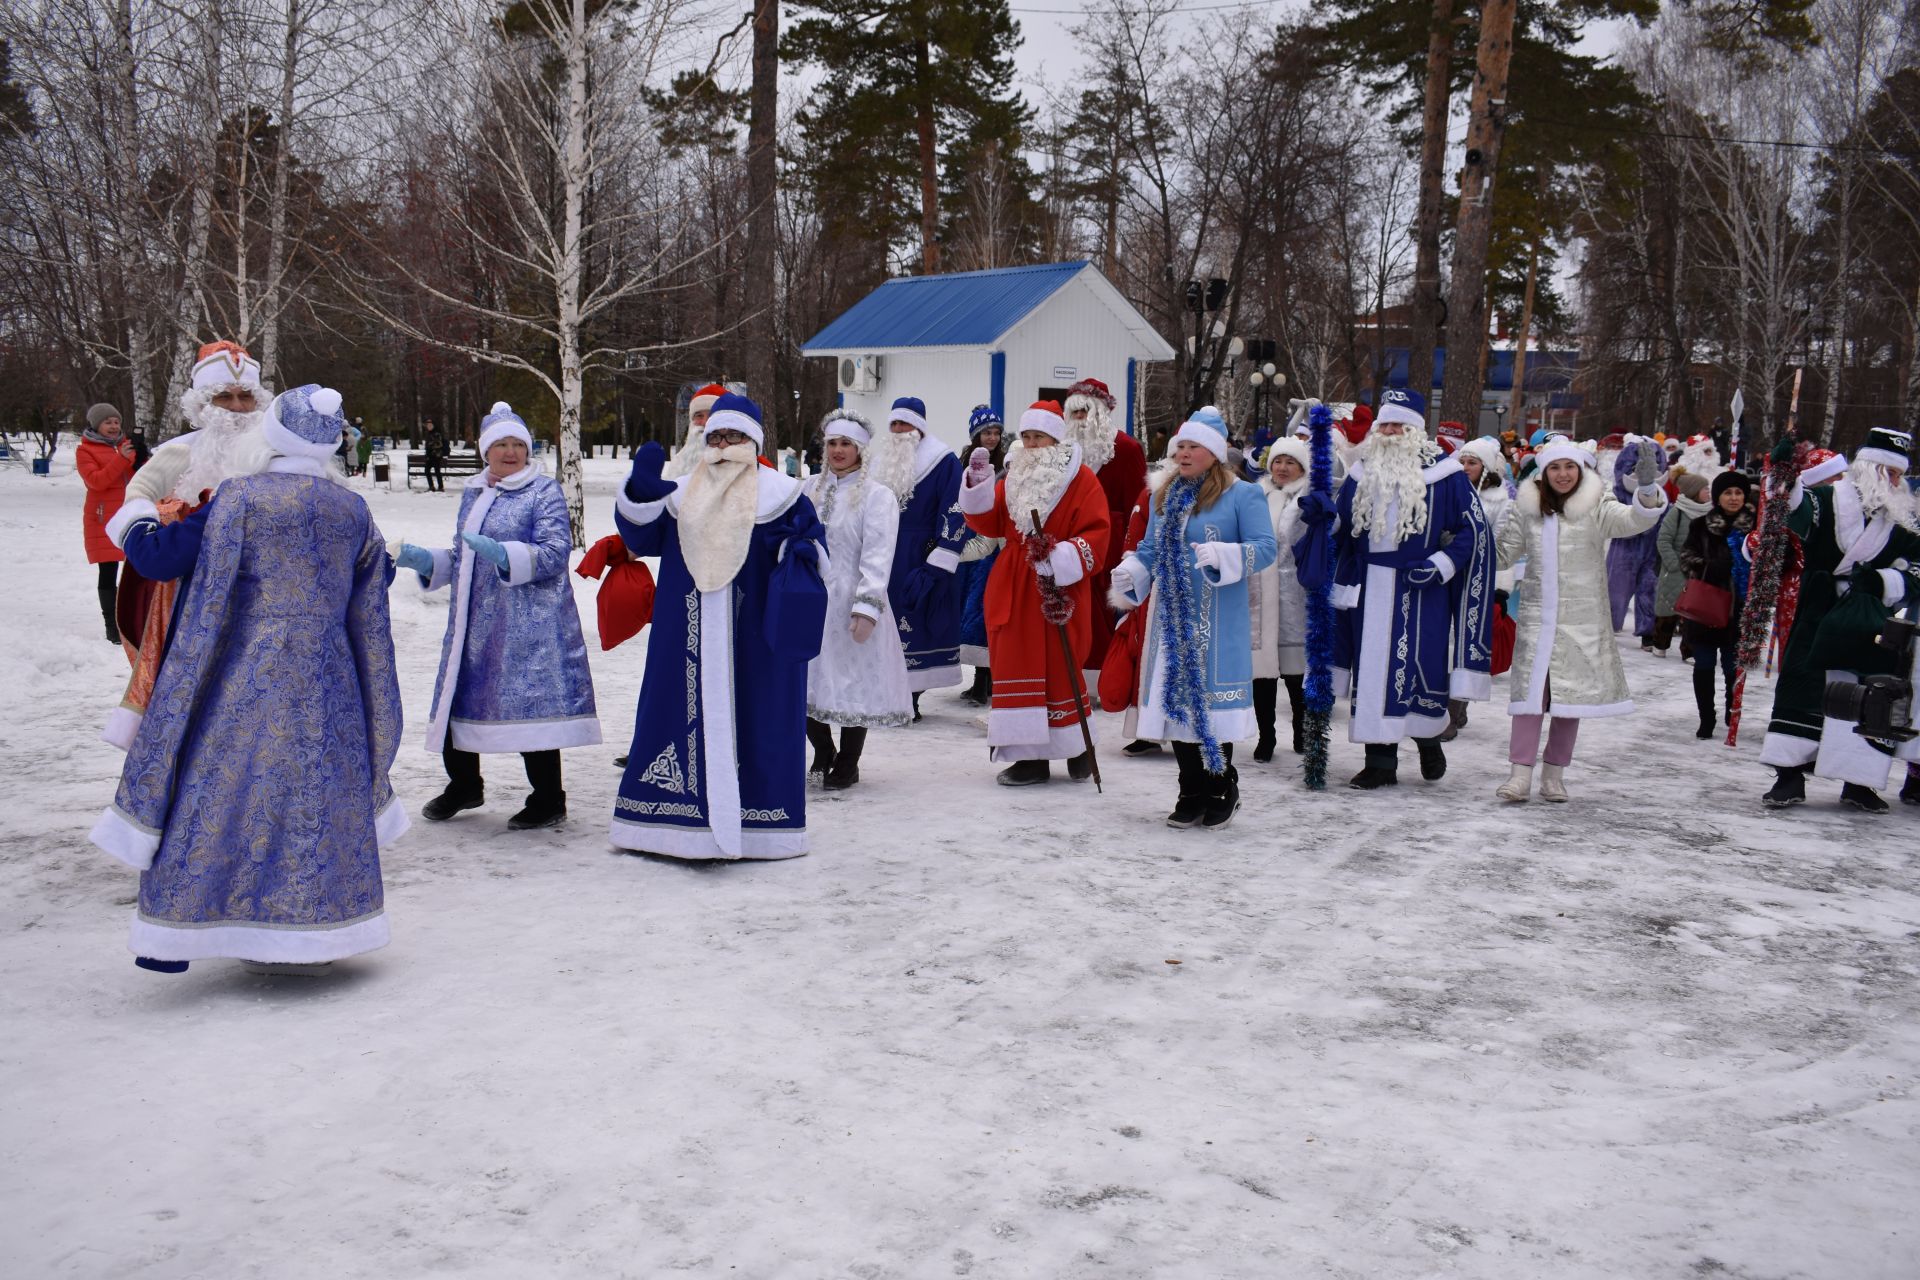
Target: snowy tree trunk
133, 235
271, 303
567, 280
190, 301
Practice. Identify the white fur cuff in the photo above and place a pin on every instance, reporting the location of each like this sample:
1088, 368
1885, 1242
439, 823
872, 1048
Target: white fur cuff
133, 509
1445, 565
126, 839
1893, 587
1065, 560
944, 560
975, 499
519, 563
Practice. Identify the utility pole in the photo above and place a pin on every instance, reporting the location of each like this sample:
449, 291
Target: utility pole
1424, 323
1467, 294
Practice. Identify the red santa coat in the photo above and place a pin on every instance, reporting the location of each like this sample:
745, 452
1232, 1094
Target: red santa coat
1121, 480
1035, 715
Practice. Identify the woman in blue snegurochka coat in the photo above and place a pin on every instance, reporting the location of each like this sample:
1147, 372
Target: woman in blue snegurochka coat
513, 666
1208, 534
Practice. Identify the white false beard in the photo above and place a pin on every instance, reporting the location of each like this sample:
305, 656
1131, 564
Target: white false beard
687, 456
1035, 478
225, 446
890, 459
717, 506
1391, 481
1095, 438
1881, 495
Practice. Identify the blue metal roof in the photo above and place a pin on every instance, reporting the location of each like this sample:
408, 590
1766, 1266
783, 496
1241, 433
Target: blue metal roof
965, 309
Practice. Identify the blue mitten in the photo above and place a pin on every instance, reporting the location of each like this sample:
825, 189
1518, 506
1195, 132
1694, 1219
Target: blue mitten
1423, 575
644, 481
1316, 508
486, 548
418, 559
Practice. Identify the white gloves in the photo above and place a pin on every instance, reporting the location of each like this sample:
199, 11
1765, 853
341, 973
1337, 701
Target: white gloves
1228, 560
1063, 565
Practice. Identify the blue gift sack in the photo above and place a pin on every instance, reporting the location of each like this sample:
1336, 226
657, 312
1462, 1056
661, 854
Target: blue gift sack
796, 604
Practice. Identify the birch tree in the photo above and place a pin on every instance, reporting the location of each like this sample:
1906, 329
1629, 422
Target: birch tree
543, 117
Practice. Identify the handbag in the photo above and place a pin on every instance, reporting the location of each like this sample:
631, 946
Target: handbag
1702, 602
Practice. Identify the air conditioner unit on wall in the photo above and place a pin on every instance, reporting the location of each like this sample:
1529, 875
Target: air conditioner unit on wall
861, 373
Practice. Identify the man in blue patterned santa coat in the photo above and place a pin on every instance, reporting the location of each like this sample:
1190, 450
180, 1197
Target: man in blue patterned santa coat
718, 763
255, 797
927, 594
1412, 590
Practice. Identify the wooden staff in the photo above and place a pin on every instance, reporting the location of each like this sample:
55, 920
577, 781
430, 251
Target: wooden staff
1073, 674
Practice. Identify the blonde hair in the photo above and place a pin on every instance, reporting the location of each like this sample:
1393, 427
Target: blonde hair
1218, 478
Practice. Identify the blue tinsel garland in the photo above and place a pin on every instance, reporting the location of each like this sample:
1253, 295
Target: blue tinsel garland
1184, 699
1319, 684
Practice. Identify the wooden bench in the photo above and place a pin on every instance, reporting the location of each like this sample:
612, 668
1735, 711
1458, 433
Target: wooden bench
455, 466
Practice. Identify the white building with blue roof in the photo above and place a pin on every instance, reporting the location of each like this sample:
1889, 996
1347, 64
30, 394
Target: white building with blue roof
1005, 337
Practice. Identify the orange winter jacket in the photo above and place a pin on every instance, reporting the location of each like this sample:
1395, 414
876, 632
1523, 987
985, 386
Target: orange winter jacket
106, 472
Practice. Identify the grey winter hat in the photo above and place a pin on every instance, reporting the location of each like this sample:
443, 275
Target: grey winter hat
1692, 484
99, 414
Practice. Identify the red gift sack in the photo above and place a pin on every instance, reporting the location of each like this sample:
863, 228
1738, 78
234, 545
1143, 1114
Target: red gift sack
626, 590
1504, 631
1120, 673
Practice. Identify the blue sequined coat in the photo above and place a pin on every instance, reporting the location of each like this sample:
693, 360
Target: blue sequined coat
521, 680
256, 795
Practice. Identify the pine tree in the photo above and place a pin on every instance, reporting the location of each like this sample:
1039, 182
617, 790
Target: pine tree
914, 89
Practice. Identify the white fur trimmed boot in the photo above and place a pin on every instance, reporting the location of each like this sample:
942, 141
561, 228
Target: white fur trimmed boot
1518, 786
1552, 785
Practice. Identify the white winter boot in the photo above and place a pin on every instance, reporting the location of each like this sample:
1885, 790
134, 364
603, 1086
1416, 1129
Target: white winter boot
1552, 787
1517, 787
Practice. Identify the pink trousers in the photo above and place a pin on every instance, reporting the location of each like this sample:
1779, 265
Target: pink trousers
1525, 743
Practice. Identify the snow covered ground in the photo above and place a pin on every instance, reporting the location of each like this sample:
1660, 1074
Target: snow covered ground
1651, 1033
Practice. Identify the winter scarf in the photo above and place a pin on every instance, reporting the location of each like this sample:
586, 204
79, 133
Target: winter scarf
1184, 696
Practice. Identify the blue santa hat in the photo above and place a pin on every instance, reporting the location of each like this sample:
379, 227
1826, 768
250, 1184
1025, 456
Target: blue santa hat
502, 423
909, 409
1207, 428
981, 418
305, 422
733, 412
1403, 405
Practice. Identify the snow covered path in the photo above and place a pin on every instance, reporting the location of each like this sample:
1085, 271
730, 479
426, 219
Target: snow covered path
1651, 1033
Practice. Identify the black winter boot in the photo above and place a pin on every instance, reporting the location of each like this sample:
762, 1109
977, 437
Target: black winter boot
1080, 767
1266, 700
451, 801
1023, 773
1865, 799
1297, 703
1433, 759
980, 693
1456, 719
821, 738
1194, 786
1225, 797
916, 708
108, 594
846, 764
1703, 699
1141, 747
543, 809
1910, 794
1383, 768
1789, 788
